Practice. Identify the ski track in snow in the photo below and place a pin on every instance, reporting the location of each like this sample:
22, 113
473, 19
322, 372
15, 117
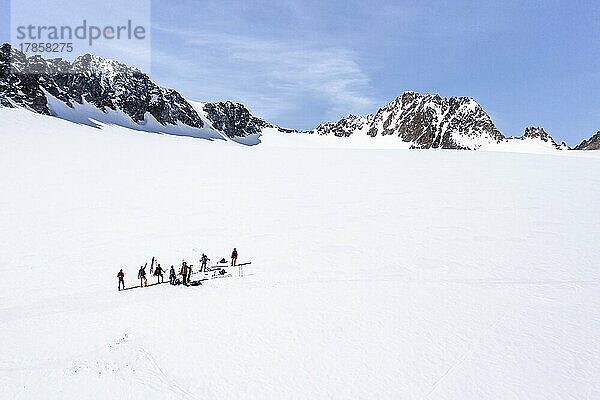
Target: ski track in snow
469, 352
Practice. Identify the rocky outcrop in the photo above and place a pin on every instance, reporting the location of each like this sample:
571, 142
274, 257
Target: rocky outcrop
423, 121
234, 119
538, 133
592, 143
106, 84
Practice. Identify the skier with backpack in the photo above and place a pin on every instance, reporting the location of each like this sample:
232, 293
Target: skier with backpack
172, 275
142, 276
203, 260
234, 256
158, 272
121, 277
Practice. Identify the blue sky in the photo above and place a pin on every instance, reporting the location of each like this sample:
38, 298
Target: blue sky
299, 63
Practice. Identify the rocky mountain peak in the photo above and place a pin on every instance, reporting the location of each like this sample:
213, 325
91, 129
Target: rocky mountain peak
420, 121
423, 121
109, 85
538, 133
592, 143
407, 97
233, 119
533, 132
106, 84
89, 64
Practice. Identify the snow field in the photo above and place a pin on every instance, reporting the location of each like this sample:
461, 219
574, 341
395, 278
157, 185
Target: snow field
375, 273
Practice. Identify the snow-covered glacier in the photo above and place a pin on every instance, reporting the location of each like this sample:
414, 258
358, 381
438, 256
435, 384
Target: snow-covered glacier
379, 274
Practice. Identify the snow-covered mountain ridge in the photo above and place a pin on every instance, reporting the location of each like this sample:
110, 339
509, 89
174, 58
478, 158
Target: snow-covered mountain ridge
93, 90
105, 84
592, 143
426, 121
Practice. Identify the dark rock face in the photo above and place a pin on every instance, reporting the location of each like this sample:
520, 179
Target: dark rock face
431, 121
424, 121
234, 119
108, 84
104, 83
344, 127
592, 143
19, 90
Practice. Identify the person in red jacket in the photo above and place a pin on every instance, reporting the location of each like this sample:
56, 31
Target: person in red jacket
234, 256
121, 277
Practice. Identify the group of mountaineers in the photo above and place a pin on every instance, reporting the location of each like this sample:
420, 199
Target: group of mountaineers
185, 271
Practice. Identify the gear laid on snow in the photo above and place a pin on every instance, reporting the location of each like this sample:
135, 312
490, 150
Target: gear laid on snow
220, 270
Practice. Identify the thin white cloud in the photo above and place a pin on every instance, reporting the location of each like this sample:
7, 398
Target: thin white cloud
275, 78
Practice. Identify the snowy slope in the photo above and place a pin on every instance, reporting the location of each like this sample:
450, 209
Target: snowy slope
88, 114
92, 90
376, 274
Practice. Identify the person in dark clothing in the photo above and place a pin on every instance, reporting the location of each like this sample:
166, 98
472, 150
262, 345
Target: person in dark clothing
172, 275
184, 272
158, 272
204, 259
189, 272
234, 256
142, 276
121, 277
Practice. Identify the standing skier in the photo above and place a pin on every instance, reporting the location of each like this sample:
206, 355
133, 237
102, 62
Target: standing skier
204, 259
189, 272
142, 276
234, 256
172, 275
184, 272
158, 272
121, 277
